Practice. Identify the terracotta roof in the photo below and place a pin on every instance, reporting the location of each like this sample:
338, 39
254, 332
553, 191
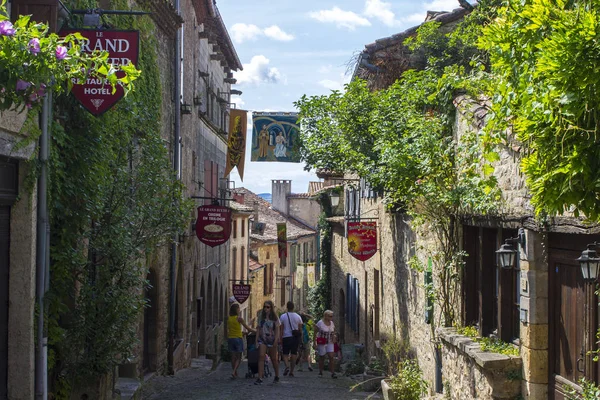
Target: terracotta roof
253, 265
325, 172
271, 218
237, 207
326, 188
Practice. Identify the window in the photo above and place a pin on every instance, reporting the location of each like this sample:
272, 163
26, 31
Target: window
282, 294
352, 302
211, 181
234, 228
491, 295
242, 263
268, 279
234, 264
243, 228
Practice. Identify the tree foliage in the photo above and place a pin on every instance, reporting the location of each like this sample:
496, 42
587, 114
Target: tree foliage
545, 90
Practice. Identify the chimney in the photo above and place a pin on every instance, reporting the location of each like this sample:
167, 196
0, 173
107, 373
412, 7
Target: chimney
280, 189
238, 197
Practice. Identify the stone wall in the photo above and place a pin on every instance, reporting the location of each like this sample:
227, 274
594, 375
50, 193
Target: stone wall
305, 210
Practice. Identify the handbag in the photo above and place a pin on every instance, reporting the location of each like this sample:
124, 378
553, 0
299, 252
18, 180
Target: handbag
321, 340
295, 332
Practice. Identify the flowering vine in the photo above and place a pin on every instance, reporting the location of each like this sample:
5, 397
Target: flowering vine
33, 60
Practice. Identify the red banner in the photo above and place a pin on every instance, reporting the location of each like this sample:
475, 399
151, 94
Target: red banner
241, 292
95, 94
362, 239
213, 225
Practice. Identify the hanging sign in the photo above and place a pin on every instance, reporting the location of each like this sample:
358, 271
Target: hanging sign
362, 239
96, 94
213, 225
241, 292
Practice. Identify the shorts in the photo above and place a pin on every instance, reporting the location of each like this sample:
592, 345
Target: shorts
323, 349
290, 345
268, 344
236, 345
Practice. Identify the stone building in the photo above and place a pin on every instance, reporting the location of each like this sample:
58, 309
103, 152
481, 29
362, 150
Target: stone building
239, 270
541, 303
280, 278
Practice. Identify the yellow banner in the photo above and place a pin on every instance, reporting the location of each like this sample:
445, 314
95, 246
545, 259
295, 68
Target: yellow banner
236, 145
310, 274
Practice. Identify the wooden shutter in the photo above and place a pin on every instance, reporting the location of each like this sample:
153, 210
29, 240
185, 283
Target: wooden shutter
207, 181
45, 11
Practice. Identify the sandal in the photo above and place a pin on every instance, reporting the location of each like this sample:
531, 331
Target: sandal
287, 371
310, 369
258, 382
334, 376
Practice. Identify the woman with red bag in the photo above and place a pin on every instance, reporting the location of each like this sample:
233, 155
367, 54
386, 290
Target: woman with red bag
323, 342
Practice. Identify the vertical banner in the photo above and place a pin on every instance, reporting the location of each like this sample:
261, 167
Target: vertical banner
310, 274
236, 145
362, 239
282, 242
275, 137
95, 94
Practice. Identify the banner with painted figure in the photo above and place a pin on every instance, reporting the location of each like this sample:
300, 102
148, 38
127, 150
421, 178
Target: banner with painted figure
362, 240
275, 137
236, 145
282, 242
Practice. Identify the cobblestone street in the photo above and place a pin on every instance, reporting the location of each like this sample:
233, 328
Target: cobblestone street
200, 382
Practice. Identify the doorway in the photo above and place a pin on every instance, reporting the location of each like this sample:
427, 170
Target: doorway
571, 302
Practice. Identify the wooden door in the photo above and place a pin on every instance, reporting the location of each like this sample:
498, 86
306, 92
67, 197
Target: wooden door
4, 268
569, 313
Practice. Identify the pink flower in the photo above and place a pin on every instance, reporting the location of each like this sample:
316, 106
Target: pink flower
42, 90
6, 28
34, 46
28, 106
61, 52
22, 85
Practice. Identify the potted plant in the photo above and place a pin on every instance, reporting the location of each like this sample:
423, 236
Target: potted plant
406, 384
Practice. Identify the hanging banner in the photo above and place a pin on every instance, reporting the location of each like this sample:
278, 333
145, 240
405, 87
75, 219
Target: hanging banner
236, 145
362, 239
95, 94
299, 281
310, 275
275, 137
213, 225
282, 241
241, 292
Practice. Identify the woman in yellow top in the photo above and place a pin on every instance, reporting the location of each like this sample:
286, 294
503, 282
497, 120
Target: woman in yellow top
235, 339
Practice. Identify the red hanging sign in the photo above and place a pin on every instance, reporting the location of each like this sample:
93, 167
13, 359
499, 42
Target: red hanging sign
95, 94
362, 239
241, 292
213, 225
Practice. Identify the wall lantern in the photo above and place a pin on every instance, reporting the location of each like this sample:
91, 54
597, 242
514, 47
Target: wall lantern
335, 199
589, 262
506, 256
186, 109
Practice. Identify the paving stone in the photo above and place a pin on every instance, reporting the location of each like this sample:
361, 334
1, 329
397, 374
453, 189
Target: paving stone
200, 382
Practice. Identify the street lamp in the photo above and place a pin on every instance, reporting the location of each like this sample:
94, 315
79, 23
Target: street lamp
507, 254
335, 199
589, 263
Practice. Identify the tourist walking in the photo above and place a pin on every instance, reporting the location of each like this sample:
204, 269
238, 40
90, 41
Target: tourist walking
323, 342
235, 339
292, 335
304, 347
267, 332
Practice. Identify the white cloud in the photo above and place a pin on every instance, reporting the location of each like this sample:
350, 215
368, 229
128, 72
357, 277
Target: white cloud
238, 101
380, 10
325, 69
245, 32
434, 5
341, 18
336, 84
274, 32
258, 71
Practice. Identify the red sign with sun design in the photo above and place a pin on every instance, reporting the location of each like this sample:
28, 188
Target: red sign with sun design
362, 239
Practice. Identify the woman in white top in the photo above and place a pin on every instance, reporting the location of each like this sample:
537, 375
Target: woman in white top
323, 342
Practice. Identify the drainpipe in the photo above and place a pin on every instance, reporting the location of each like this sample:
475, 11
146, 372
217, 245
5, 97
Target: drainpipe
176, 167
42, 257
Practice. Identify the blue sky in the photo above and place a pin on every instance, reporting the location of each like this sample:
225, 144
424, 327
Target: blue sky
294, 47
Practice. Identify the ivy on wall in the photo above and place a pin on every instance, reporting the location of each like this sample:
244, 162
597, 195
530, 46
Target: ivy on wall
113, 200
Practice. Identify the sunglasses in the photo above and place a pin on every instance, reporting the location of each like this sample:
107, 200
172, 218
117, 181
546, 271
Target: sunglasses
266, 306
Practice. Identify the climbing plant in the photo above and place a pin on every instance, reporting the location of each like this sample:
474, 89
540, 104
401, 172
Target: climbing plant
33, 60
113, 201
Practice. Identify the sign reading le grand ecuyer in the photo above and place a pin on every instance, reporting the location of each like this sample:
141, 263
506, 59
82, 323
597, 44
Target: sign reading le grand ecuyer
362, 239
241, 292
95, 94
213, 225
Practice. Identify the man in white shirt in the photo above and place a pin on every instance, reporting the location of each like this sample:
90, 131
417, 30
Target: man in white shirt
291, 324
